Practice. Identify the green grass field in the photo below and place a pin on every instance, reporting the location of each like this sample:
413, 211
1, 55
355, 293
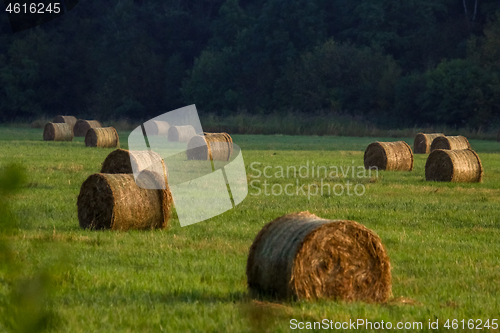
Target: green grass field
443, 240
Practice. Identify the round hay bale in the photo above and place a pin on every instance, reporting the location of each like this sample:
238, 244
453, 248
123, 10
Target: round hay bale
450, 142
126, 161
70, 120
157, 127
82, 126
115, 201
460, 166
389, 156
106, 137
57, 132
422, 142
302, 256
181, 133
210, 146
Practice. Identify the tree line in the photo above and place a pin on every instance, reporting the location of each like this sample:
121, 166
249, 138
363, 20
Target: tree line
413, 62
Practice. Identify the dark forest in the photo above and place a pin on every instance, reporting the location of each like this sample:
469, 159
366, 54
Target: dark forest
414, 62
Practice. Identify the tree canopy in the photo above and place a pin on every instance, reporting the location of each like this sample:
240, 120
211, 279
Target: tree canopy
419, 62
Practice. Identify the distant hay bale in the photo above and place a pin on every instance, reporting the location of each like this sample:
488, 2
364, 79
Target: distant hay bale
181, 133
82, 126
460, 166
450, 142
210, 146
126, 161
498, 136
389, 156
57, 132
422, 142
156, 127
115, 201
106, 137
302, 256
70, 120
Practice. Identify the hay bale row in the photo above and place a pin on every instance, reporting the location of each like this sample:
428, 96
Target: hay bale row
389, 156
117, 202
157, 127
454, 166
82, 126
57, 132
104, 137
70, 120
450, 142
302, 256
210, 146
181, 133
422, 142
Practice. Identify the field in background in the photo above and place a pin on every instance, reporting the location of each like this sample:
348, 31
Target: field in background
304, 124
443, 241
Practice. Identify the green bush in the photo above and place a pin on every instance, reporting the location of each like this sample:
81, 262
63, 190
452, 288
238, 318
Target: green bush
340, 77
461, 93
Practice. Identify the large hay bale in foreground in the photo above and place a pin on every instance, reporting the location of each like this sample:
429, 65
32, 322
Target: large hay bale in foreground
181, 133
126, 161
115, 201
389, 156
422, 142
70, 120
57, 132
303, 256
210, 146
450, 142
461, 166
104, 137
157, 127
82, 126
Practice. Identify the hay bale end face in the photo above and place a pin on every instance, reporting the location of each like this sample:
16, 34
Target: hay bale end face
422, 142
106, 137
70, 120
302, 256
181, 133
115, 201
390, 156
450, 142
157, 127
210, 146
82, 126
57, 132
460, 166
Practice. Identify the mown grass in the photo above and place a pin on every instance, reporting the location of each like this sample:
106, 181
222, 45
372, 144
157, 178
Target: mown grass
443, 240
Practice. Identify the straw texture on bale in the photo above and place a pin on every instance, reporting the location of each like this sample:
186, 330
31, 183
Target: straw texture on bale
126, 161
450, 142
70, 120
157, 127
106, 137
82, 126
115, 201
460, 166
57, 132
389, 156
302, 256
210, 146
422, 142
181, 133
